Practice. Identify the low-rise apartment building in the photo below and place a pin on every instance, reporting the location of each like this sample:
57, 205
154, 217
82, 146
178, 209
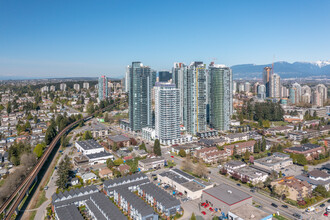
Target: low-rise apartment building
292, 188
316, 177
240, 147
310, 151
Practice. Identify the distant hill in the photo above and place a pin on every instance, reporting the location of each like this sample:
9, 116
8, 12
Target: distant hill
284, 69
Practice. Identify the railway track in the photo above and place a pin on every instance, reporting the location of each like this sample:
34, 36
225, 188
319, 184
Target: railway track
17, 196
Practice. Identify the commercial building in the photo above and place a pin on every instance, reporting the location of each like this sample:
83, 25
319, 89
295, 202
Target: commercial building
249, 212
184, 183
88, 147
167, 114
310, 151
221, 100
151, 163
224, 198
140, 78
275, 162
103, 88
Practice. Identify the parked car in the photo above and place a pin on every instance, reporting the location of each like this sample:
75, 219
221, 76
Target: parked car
203, 204
285, 206
211, 209
273, 204
204, 213
238, 184
322, 205
326, 214
252, 190
172, 156
297, 215
206, 205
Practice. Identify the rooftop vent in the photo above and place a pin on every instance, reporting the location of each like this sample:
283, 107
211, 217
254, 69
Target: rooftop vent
230, 192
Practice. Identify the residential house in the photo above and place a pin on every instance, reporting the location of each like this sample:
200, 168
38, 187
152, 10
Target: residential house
316, 177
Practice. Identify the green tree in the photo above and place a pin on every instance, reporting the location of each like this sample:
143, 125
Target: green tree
306, 168
280, 175
35, 119
182, 153
114, 147
322, 191
118, 162
193, 217
143, 147
87, 135
63, 172
157, 149
39, 150
9, 109
110, 163
50, 133
64, 141
247, 156
263, 144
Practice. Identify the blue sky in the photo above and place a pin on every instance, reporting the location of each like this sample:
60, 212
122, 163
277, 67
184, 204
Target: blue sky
63, 38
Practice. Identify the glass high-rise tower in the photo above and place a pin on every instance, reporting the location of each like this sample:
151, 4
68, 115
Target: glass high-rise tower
140, 83
194, 98
221, 96
103, 88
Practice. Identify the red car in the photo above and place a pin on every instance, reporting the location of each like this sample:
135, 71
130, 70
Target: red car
211, 209
172, 156
206, 205
325, 214
203, 203
204, 213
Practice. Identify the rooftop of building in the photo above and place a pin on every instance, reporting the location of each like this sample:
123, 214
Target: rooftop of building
125, 179
186, 146
69, 212
273, 159
118, 138
241, 144
227, 194
304, 147
249, 212
235, 163
318, 173
151, 160
99, 155
293, 182
211, 142
89, 144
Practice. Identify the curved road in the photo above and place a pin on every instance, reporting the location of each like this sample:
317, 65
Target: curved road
21, 191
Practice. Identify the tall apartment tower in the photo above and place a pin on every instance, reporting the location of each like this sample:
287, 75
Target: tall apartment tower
140, 81
323, 90
247, 87
62, 86
274, 86
164, 76
261, 92
266, 78
194, 106
86, 85
179, 76
127, 80
221, 96
76, 87
297, 87
167, 115
103, 88
234, 87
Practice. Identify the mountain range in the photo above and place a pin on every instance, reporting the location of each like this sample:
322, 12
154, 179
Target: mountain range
284, 69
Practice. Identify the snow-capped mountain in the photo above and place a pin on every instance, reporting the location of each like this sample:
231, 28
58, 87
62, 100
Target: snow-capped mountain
284, 69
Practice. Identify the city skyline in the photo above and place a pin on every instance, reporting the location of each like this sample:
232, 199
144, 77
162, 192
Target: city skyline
44, 40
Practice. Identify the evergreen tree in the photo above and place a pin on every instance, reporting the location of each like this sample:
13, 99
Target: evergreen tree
87, 135
157, 149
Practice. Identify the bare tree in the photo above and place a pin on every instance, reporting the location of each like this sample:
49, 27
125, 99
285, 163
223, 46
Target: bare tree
187, 164
200, 169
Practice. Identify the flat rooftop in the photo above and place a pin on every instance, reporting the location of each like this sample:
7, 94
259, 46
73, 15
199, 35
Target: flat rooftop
118, 138
227, 194
249, 212
89, 144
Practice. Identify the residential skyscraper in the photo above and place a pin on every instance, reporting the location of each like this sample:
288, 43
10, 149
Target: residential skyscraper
266, 77
62, 86
194, 109
306, 89
274, 86
52, 88
86, 85
167, 114
76, 87
221, 96
103, 88
140, 114
247, 87
323, 90
234, 87
298, 92
293, 95
317, 98
179, 71
127, 79
284, 92
261, 92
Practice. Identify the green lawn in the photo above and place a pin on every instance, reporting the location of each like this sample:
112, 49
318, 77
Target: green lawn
42, 198
279, 123
279, 217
